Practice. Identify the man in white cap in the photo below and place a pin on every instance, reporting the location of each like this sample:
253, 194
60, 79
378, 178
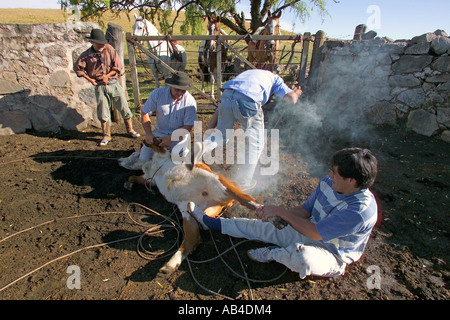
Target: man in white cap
174, 108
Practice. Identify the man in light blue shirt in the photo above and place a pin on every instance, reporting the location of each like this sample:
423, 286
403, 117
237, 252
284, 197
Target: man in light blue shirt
242, 100
259, 85
174, 108
325, 234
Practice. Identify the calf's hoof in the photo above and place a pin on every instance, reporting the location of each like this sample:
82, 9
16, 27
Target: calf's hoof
166, 271
278, 222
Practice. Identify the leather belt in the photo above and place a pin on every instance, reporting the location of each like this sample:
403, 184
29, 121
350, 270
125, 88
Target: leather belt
110, 81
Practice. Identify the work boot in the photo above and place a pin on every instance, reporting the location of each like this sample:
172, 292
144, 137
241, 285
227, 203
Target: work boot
129, 127
243, 175
106, 131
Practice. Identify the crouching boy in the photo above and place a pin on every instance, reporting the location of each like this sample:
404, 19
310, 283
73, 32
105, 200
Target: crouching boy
325, 234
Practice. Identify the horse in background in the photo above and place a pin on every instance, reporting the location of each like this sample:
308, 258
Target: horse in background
263, 53
169, 52
207, 55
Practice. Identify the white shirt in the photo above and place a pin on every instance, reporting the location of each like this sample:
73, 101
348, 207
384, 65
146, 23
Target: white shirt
170, 115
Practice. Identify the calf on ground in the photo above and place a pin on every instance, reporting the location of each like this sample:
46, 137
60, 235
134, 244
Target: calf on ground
180, 185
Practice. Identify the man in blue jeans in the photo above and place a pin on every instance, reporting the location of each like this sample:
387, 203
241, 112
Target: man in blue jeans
327, 232
242, 100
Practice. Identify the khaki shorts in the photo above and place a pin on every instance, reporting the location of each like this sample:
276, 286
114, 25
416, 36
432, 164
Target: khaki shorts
111, 94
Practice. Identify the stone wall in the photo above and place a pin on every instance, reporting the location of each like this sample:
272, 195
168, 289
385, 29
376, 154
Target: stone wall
377, 80
38, 88
389, 82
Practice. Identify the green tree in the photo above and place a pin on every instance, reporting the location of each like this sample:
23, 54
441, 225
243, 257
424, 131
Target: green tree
197, 10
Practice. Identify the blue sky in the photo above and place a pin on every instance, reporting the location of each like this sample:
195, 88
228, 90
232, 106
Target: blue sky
397, 19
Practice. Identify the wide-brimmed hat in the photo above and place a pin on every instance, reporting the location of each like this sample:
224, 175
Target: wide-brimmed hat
180, 80
97, 36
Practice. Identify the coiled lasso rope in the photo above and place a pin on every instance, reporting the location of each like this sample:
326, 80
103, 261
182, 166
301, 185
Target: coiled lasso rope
154, 230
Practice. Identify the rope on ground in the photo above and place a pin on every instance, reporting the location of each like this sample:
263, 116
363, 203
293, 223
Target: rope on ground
233, 247
154, 230
62, 156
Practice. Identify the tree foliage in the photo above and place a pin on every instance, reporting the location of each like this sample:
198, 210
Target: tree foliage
197, 10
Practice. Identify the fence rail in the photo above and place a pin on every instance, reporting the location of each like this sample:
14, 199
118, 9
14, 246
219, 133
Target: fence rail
309, 44
213, 37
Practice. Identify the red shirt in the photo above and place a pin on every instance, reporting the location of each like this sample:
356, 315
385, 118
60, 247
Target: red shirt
96, 64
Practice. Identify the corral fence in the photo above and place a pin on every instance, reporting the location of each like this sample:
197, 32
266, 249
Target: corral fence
298, 59
298, 56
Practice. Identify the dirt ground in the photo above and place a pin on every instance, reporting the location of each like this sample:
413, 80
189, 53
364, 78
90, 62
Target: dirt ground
60, 176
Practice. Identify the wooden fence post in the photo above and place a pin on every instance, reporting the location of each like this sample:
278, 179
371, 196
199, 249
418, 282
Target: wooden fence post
359, 31
134, 43
134, 75
219, 68
239, 56
165, 65
304, 58
115, 37
315, 60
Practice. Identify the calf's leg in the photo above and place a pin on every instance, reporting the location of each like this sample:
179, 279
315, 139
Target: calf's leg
191, 240
134, 179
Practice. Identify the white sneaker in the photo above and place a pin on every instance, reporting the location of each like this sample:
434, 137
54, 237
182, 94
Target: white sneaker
132, 162
134, 134
261, 254
197, 213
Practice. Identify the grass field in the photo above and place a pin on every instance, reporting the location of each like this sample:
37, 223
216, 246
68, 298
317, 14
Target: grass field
146, 81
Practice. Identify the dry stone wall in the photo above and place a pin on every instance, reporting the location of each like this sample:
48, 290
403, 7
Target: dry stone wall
375, 80
389, 82
38, 88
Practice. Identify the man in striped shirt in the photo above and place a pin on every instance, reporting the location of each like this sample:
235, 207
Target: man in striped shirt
325, 234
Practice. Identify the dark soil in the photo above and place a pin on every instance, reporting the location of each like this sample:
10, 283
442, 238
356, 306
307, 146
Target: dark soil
56, 176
